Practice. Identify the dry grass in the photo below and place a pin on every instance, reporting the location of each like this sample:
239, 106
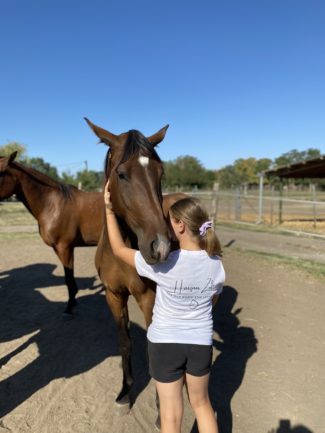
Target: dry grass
295, 223
15, 214
313, 268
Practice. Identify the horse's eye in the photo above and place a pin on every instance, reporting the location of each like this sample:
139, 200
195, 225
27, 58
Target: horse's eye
121, 176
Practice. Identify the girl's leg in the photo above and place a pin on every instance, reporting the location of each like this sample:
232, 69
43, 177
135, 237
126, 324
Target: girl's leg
197, 388
171, 405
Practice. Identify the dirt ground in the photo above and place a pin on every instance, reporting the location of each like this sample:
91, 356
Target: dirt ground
60, 376
296, 246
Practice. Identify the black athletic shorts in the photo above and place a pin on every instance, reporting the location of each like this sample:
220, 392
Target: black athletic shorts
169, 361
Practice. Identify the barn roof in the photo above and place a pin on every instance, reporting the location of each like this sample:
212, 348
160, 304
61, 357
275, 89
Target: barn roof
312, 168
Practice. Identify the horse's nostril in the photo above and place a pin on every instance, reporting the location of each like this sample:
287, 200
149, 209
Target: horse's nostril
159, 249
155, 254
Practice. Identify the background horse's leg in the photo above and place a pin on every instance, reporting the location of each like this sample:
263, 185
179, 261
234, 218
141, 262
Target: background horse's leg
65, 254
119, 308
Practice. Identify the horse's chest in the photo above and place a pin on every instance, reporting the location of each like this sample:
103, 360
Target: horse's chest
121, 279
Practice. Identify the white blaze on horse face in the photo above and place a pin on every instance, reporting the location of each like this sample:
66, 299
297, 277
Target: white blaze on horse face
144, 161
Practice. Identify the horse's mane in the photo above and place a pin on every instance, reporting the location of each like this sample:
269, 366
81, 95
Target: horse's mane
66, 190
136, 143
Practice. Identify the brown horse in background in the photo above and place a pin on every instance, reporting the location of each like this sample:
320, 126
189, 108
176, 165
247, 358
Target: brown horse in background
66, 217
135, 171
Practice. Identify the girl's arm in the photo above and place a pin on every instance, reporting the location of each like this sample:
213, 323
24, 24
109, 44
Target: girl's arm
118, 246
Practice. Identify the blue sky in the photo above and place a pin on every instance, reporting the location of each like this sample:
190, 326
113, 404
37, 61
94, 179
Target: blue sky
233, 78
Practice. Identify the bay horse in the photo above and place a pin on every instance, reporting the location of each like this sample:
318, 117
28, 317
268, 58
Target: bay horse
66, 217
134, 170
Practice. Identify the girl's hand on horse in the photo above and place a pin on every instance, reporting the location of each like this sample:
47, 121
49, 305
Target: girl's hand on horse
107, 197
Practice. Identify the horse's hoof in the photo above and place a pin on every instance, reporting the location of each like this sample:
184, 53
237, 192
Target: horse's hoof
123, 401
68, 312
121, 409
123, 406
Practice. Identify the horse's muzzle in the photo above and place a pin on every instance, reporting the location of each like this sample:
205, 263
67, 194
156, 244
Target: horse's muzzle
157, 250
160, 248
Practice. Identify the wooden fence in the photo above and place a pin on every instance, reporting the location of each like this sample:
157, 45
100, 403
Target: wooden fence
272, 210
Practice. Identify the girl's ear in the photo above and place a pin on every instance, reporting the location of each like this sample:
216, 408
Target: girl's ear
181, 226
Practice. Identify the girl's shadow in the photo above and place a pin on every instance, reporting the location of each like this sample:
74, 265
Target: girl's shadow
236, 345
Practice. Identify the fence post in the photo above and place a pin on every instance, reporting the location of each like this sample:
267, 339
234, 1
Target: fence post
260, 199
280, 201
238, 205
215, 202
271, 206
313, 188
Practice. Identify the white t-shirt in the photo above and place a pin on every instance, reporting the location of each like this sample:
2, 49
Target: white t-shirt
186, 283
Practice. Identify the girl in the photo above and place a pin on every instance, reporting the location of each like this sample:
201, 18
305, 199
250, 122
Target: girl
180, 335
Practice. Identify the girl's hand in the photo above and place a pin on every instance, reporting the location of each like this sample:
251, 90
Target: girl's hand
107, 197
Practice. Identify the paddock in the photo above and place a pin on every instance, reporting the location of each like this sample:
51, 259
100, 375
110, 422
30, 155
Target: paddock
62, 376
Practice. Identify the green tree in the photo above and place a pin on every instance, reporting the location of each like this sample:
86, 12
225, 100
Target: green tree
187, 172
242, 172
44, 167
191, 171
246, 170
228, 177
295, 156
263, 164
69, 178
211, 177
171, 178
13, 146
90, 180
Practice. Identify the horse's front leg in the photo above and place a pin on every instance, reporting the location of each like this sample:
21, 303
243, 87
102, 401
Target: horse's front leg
119, 308
65, 254
146, 302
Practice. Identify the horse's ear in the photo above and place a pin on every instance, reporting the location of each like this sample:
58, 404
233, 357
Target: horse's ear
12, 156
158, 136
5, 161
104, 136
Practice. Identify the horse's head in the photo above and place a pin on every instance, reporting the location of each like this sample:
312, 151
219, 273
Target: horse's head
7, 180
135, 172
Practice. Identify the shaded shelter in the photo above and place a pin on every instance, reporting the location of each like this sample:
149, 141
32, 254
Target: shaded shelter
309, 169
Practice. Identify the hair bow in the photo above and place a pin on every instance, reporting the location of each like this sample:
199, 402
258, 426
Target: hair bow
204, 227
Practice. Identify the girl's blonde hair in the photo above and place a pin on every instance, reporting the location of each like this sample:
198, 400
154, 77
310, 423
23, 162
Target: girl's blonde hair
192, 213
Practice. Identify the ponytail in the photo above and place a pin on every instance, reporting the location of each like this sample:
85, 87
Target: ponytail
193, 214
211, 243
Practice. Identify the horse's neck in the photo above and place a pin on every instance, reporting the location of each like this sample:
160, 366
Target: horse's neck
32, 193
128, 234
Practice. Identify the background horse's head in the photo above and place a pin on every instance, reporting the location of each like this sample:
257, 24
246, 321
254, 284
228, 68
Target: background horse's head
8, 184
135, 172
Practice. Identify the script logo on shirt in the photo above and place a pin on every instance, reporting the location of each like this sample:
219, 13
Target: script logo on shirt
182, 288
193, 293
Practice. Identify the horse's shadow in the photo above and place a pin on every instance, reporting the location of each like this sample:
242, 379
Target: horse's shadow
236, 345
65, 348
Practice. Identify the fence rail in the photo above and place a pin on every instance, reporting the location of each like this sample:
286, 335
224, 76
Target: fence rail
237, 206
272, 210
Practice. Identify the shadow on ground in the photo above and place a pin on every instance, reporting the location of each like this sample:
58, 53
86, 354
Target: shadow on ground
66, 348
285, 427
236, 345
